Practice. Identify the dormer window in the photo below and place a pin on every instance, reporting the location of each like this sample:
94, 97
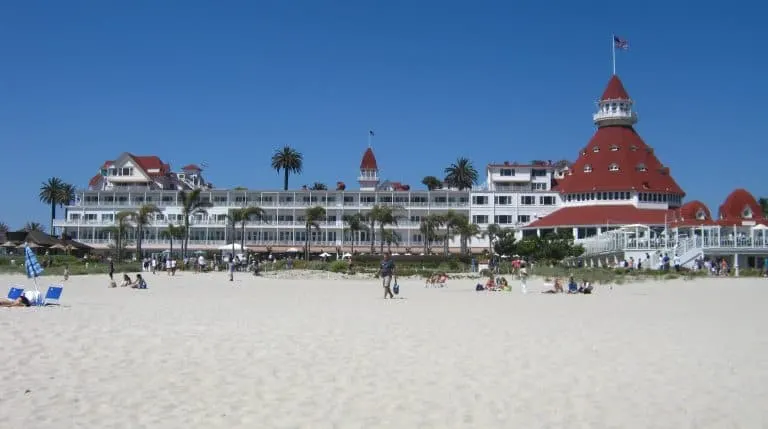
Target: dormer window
583, 153
633, 148
596, 149
700, 215
587, 168
614, 148
641, 167
613, 167
747, 213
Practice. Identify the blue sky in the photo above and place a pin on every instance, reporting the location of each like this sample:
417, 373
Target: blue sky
227, 83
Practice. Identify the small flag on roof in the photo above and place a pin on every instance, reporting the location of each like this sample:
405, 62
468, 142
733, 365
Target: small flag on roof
30, 262
620, 43
370, 133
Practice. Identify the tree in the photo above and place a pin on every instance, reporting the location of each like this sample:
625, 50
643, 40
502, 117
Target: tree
372, 217
313, 217
191, 204
428, 229
355, 223
390, 236
34, 226
461, 175
432, 183
51, 193
764, 206
289, 160
506, 243
242, 216
142, 217
67, 194
385, 216
3, 228
451, 219
466, 231
492, 232
120, 232
317, 186
172, 232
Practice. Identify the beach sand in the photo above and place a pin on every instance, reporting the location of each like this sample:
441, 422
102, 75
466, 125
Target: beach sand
196, 351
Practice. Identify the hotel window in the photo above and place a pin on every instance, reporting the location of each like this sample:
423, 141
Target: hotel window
641, 167
746, 213
538, 186
527, 200
507, 172
583, 153
266, 198
480, 219
538, 173
480, 200
523, 218
633, 148
503, 200
349, 199
547, 201
415, 218
596, 149
503, 219
613, 167
614, 148
107, 217
74, 216
587, 168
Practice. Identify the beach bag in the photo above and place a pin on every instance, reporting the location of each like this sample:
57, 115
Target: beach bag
396, 288
479, 287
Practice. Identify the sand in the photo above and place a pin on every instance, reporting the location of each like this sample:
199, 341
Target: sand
196, 351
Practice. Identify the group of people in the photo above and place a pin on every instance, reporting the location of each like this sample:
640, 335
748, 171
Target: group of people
573, 288
501, 284
140, 283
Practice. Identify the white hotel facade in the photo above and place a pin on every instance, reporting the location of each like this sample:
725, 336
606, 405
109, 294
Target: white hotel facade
513, 195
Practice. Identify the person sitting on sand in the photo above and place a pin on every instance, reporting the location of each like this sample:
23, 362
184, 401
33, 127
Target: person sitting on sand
586, 287
558, 287
140, 283
21, 301
490, 284
126, 281
572, 286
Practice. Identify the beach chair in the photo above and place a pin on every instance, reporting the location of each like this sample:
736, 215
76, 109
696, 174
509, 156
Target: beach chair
53, 295
15, 292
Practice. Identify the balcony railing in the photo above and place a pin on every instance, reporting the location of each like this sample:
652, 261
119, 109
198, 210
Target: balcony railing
134, 203
221, 223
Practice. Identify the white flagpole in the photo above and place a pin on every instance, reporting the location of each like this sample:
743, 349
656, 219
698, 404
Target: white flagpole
370, 138
613, 51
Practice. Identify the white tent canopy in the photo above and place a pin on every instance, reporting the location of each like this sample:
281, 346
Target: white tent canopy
237, 247
760, 227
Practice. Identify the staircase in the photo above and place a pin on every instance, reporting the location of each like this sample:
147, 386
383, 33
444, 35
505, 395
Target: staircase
688, 250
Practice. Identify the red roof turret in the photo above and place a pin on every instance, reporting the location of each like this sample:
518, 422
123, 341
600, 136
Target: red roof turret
369, 161
740, 205
615, 90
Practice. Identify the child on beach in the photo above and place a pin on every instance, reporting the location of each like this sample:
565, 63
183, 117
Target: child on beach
66, 272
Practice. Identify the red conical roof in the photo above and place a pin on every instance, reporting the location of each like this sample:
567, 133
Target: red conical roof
615, 90
618, 146
369, 161
736, 203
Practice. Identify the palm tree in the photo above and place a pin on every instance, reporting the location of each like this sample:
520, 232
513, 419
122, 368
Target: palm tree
432, 183
51, 193
355, 223
390, 236
142, 217
372, 217
313, 216
34, 226
289, 160
451, 219
428, 228
191, 204
466, 231
492, 232
318, 186
120, 232
764, 206
461, 175
67, 194
172, 232
385, 216
242, 216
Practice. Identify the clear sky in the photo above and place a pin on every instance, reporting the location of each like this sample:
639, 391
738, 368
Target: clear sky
227, 83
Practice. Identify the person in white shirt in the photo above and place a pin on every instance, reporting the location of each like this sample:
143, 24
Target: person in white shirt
676, 262
523, 277
200, 263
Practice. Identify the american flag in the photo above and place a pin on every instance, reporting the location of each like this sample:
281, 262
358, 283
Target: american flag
620, 43
370, 133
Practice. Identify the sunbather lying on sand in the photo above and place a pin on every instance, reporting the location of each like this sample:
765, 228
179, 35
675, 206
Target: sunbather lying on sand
558, 287
21, 301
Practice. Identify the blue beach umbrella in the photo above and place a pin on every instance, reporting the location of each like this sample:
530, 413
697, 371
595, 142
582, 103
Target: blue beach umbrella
34, 270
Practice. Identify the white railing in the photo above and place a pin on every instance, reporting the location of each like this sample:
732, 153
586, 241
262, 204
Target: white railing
608, 243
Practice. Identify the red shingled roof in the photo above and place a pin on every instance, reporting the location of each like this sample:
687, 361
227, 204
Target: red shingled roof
191, 167
151, 162
615, 90
94, 180
638, 167
602, 215
735, 204
369, 161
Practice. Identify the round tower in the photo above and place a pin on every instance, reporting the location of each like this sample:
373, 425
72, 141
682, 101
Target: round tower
369, 172
615, 106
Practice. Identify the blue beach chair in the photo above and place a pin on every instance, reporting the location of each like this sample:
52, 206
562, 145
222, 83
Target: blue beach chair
53, 295
15, 292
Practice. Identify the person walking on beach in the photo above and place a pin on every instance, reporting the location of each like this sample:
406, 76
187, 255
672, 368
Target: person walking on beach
387, 272
111, 268
231, 267
523, 278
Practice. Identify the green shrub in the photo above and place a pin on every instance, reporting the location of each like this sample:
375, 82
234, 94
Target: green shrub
339, 266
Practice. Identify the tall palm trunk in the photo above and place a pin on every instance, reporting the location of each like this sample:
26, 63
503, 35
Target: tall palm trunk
138, 241
242, 237
381, 238
447, 240
53, 215
373, 236
306, 243
285, 180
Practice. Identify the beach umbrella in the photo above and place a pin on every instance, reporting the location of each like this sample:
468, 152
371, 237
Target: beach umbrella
9, 244
34, 270
325, 255
29, 245
58, 246
346, 255
292, 250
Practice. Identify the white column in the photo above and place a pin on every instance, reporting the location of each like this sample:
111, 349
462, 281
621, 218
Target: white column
736, 264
